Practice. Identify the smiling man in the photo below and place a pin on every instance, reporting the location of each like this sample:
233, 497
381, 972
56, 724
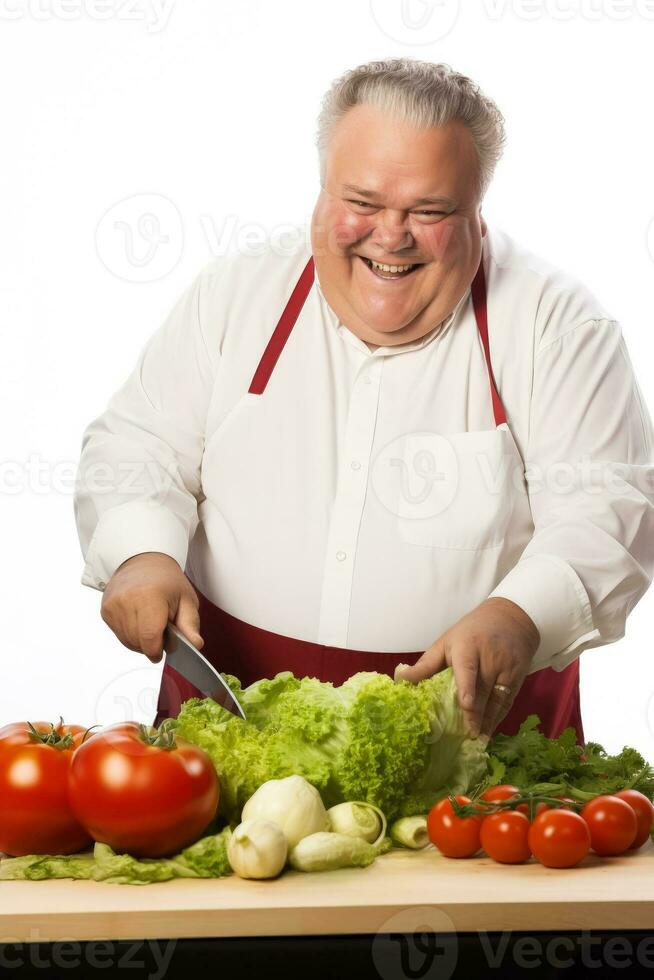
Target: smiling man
396, 257
413, 442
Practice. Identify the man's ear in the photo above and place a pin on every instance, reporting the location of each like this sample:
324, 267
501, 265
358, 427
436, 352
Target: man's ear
484, 226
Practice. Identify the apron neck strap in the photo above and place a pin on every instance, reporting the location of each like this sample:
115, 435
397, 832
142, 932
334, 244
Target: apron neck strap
478, 290
283, 329
295, 303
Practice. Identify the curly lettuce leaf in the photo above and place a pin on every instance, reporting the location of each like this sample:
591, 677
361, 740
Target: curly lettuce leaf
397, 745
206, 858
37, 867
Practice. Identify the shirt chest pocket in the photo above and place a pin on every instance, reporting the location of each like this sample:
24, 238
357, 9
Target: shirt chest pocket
452, 492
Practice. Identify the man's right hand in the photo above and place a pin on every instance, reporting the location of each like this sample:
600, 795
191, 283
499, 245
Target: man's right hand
143, 595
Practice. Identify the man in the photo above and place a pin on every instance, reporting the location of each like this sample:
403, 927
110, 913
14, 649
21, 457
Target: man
414, 442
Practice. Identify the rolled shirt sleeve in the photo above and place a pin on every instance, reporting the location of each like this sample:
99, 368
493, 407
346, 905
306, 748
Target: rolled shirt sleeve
138, 479
590, 481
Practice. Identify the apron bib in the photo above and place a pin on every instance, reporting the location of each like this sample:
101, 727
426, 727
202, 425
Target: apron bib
472, 515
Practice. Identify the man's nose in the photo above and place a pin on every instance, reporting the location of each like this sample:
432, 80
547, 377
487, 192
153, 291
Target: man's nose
391, 232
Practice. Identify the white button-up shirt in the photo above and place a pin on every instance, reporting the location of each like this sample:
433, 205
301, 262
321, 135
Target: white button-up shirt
294, 510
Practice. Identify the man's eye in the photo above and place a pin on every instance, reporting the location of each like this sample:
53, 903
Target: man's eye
424, 214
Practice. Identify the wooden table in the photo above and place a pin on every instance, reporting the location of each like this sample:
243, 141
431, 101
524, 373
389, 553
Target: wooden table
403, 891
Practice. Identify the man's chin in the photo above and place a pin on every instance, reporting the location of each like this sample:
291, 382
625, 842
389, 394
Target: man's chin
384, 335
384, 326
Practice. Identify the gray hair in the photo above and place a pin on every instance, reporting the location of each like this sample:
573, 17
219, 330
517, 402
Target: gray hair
423, 94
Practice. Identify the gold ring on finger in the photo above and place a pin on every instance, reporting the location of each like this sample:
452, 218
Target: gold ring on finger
502, 688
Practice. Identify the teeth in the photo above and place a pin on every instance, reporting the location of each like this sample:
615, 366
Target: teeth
390, 268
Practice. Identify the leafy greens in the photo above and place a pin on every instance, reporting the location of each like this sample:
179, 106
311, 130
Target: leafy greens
397, 745
530, 760
206, 858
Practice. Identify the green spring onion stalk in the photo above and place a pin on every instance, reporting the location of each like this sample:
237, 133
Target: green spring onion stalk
410, 832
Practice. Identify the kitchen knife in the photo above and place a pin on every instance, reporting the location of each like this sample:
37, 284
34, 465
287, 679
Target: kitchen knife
189, 662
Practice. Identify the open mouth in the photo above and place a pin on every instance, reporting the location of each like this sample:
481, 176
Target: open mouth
384, 271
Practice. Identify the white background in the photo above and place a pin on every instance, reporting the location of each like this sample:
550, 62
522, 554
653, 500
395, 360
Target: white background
211, 107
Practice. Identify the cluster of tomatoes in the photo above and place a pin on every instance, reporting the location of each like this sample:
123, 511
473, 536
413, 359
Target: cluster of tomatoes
136, 788
558, 831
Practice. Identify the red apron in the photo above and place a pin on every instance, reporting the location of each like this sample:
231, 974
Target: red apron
250, 653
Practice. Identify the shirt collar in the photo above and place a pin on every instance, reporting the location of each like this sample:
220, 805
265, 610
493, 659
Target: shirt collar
352, 338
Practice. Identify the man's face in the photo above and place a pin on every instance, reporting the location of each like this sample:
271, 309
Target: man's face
399, 196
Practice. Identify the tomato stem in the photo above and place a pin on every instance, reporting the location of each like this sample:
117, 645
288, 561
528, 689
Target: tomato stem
53, 737
484, 807
162, 738
83, 739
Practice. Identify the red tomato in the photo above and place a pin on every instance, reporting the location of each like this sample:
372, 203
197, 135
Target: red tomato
453, 836
132, 792
35, 816
644, 810
559, 838
497, 794
503, 836
612, 824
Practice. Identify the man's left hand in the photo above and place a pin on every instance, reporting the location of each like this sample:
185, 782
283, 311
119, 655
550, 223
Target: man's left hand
493, 644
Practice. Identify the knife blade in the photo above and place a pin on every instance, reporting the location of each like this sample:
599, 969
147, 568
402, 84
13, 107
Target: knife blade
189, 662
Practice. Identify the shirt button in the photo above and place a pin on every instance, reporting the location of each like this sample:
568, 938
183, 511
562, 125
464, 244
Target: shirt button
355, 464
341, 555
367, 380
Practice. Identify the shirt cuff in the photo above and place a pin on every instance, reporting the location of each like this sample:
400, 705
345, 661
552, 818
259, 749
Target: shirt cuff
553, 596
132, 529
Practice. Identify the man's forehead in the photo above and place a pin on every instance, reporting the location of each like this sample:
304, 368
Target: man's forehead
391, 158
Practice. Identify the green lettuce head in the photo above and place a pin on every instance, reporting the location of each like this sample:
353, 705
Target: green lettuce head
397, 745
